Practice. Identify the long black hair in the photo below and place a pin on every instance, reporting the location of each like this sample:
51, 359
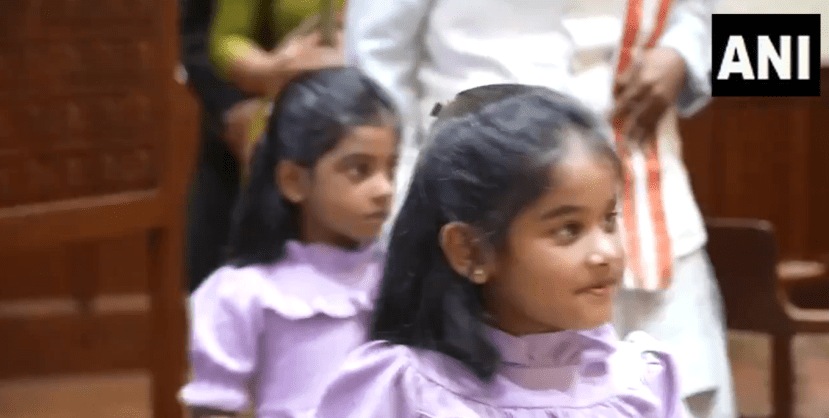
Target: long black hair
488, 157
314, 112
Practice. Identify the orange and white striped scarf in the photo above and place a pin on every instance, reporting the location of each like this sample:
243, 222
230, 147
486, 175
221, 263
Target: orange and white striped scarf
649, 259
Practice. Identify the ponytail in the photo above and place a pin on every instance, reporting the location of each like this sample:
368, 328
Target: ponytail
263, 219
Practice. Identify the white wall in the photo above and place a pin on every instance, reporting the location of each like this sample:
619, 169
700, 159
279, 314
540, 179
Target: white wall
785, 6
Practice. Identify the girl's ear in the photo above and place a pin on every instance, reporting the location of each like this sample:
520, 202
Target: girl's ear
293, 181
465, 252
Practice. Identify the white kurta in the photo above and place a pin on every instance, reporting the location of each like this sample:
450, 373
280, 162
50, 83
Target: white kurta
426, 51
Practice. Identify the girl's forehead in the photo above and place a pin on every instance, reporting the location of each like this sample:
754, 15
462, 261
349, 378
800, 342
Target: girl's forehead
367, 139
580, 174
579, 162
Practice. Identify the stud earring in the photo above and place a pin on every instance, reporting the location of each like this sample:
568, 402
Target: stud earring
478, 276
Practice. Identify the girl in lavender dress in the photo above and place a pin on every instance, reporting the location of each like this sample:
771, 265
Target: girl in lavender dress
270, 329
500, 274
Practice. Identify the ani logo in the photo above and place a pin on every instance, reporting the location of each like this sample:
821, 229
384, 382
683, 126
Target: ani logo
765, 55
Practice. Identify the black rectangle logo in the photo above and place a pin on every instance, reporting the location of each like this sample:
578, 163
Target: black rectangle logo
765, 55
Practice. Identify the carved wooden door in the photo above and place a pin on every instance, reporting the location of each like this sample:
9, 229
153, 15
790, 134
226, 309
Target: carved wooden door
92, 181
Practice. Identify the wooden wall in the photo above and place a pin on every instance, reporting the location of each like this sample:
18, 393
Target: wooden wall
88, 112
766, 158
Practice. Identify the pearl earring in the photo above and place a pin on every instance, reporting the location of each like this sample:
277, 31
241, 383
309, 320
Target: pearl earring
479, 276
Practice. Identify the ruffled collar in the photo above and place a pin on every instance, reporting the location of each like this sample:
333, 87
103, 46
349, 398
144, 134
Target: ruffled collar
333, 262
568, 369
555, 349
313, 279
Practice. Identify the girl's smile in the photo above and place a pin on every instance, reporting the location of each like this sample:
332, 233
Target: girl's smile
604, 292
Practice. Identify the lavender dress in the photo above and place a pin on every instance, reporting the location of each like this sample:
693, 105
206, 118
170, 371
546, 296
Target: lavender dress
563, 375
273, 336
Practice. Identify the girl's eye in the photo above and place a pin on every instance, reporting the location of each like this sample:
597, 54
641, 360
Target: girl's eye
568, 233
358, 170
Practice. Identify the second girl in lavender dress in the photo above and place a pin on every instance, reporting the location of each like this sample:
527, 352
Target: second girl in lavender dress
269, 330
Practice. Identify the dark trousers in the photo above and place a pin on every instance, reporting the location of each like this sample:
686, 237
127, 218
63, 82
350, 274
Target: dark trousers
213, 194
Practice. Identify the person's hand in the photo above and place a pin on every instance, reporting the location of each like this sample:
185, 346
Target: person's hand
646, 91
238, 121
307, 52
302, 53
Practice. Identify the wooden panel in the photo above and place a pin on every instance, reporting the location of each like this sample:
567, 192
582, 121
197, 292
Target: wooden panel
55, 337
80, 82
765, 158
818, 232
74, 316
85, 153
79, 219
703, 154
121, 265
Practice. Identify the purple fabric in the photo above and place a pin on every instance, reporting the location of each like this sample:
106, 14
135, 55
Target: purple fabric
273, 336
564, 375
